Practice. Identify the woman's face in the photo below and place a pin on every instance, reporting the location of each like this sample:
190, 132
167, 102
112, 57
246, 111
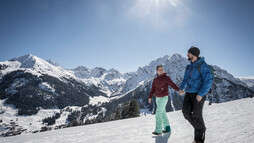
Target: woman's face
160, 70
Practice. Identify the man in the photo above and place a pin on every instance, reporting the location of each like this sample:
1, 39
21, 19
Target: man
197, 82
160, 88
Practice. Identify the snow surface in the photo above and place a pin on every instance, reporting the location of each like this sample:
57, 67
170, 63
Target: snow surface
229, 122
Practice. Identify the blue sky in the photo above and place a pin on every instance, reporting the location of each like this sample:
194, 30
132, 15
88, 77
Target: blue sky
127, 34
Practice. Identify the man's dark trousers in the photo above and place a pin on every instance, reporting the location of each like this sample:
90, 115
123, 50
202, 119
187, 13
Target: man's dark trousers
192, 111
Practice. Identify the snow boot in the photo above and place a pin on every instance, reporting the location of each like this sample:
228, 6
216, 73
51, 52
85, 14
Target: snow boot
157, 134
167, 130
196, 141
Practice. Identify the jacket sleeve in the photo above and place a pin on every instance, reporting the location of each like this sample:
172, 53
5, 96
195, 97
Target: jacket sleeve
185, 78
207, 79
152, 90
172, 84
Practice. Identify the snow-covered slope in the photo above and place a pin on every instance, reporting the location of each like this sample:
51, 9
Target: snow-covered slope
249, 81
230, 122
34, 123
30, 123
224, 74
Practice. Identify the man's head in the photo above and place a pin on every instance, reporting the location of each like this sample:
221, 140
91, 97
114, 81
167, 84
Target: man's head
160, 69
193, 53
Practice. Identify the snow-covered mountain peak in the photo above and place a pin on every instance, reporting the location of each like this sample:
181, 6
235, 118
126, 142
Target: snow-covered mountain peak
128, 75
113, 70
108, 80
81, 72
97, 72
27, 61
99, 68
165, 57
176, 57
52, 62
112, 74
82, 68
158, 61
34, 65
150, 68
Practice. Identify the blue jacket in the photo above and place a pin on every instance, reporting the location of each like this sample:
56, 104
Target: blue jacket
195, 82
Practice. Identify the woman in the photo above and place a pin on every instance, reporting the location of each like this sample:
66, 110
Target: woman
160, 88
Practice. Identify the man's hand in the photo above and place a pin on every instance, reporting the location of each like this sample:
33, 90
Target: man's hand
181, 92
199, 98
150, 100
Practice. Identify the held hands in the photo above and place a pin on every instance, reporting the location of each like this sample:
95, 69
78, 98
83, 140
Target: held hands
199, 98
181, 92
150, 100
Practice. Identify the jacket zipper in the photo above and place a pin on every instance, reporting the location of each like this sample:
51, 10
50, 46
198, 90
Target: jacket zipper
191, 70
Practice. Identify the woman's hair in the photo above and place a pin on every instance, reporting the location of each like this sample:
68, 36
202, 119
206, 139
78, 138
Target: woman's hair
158, 66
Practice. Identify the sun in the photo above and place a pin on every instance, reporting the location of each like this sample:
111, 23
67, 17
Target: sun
153, 6
160, 14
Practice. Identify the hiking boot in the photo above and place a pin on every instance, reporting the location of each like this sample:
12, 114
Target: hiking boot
196, 141
200, 136
157, 134
167, 130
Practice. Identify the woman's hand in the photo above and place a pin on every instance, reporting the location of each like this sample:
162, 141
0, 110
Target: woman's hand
181, 92
150, 100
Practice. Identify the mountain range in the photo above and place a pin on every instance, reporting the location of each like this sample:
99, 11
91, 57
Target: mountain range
38, 95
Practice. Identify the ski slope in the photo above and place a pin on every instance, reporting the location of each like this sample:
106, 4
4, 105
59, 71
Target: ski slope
230, 122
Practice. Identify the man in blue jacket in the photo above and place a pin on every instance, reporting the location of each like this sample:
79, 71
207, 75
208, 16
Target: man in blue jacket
197, 82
